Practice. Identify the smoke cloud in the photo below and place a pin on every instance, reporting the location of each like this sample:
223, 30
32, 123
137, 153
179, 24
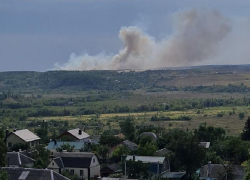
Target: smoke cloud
196, 38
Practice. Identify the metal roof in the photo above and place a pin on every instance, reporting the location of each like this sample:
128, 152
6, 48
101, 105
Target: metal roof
75, 132
173, 174
77, 145
147, 159
26, 135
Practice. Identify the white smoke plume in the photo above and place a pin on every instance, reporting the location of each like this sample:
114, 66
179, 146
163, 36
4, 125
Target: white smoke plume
196, 38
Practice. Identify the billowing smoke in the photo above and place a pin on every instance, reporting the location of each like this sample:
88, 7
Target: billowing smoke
196, 38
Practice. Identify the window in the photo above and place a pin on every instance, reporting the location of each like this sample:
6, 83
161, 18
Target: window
72, 172
52, 164
67, 171
32, 143
93, 160
10, 144
81, 172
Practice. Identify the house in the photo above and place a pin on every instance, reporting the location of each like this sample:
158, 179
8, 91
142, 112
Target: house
219, 171
157, 165
111, 169
17, 159
205, 144
53, 145
150, 135
75, 135
84, 165
174, 175
132, 146
15, 173
162, 152
23, 136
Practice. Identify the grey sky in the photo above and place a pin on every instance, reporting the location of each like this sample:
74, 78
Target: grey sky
35, 34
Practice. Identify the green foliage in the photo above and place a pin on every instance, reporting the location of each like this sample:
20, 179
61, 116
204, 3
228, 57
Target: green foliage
241, 115
147, 149
232, 149
119, 151
127, 127
2, 149
41, 157
4, 175
137, 170
110, 140
209, 134
17, 147
43, 134
66, 147
245, 135
102, 150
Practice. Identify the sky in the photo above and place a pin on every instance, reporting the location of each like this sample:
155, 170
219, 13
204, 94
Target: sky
42, 35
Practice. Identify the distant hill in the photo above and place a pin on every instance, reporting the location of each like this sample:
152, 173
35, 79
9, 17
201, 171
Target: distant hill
30, 81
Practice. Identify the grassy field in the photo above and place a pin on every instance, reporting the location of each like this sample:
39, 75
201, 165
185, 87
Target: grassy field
231, 123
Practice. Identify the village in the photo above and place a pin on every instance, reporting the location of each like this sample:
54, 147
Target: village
72, 155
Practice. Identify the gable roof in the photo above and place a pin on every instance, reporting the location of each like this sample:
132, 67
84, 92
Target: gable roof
18, 159
114, 167
132, 146
150, 134
77, 145
162, 152
26, 135
218, 169
120, 135
59, 162
173, 175
75, 133
75, 159
31, 174
147, 159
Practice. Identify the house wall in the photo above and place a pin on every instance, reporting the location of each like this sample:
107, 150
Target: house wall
14, 139
53, 166
95, 168
77, 172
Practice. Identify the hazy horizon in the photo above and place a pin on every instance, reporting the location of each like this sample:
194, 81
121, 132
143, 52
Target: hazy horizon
111, 34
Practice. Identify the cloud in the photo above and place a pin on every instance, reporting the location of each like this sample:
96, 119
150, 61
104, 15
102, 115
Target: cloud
196, 38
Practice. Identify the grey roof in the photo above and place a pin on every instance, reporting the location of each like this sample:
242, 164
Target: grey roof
205, 144
75, 159
218, 169
132, 146
162, 152
173, 175
18, 159
147, 159
114, 167
95, 139
59, 162
77, 145
75, 132
26, 135
31, 174
150, 134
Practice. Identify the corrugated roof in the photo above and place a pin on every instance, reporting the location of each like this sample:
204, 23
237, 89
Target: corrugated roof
15, 173
75, 159
75, 132
26, 135
147, 159
173, 174
77, 145
132, 146
18, 159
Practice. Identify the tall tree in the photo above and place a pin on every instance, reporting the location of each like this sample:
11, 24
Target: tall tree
2, 149
245, 135
127, 127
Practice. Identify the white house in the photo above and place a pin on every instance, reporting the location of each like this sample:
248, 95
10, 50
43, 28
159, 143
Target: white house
75, 135
84, 165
